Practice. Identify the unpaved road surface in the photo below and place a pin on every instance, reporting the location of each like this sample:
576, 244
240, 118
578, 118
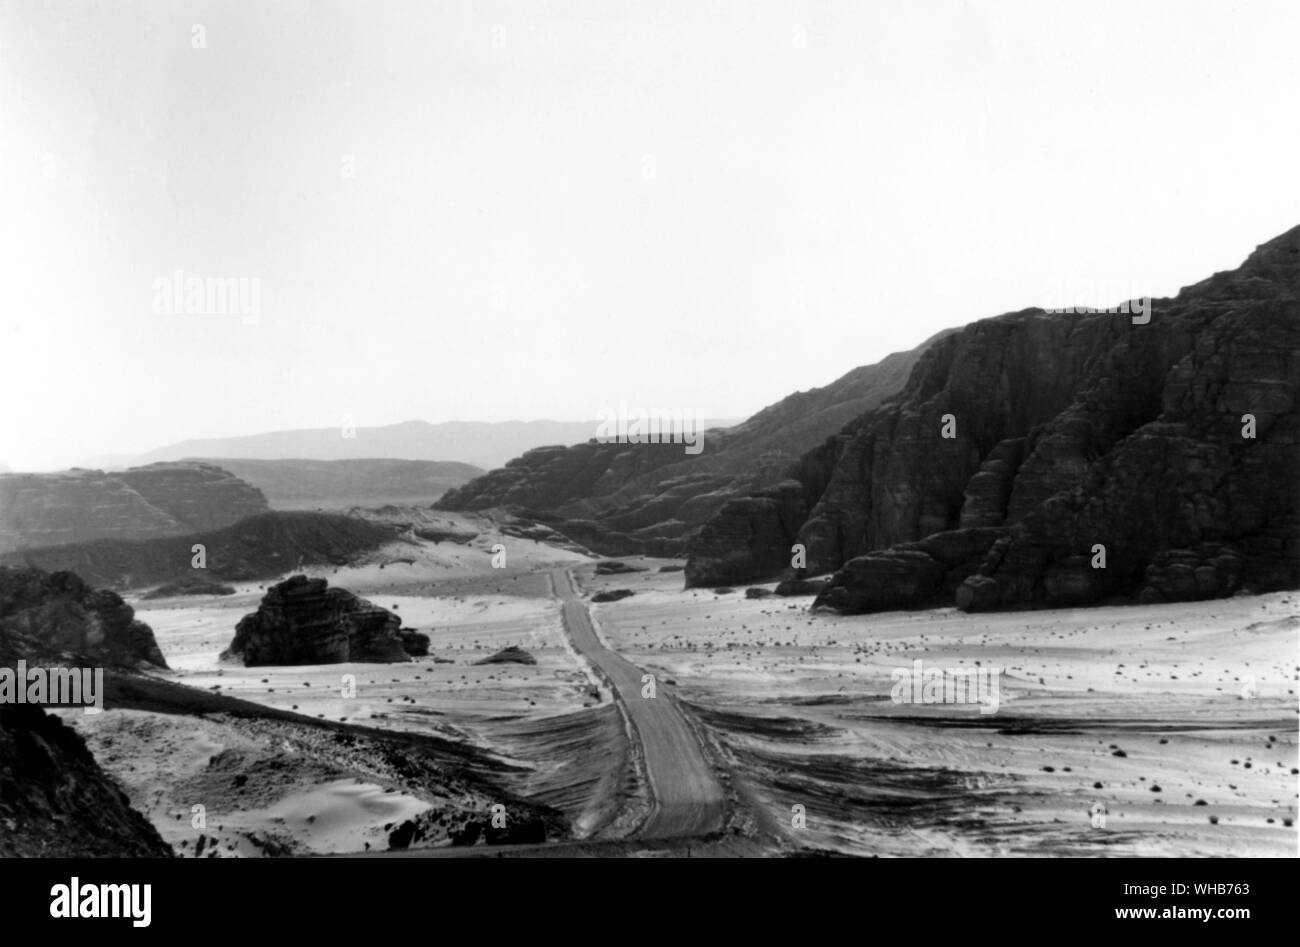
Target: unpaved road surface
686, 799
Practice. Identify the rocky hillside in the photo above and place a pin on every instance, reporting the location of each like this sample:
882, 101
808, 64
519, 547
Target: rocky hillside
303, 621
625, 499
55, 801
38, 510
259, 547
1070, 433
58, 619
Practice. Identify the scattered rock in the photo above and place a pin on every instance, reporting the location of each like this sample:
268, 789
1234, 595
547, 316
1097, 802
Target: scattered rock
613, 595
800, 587
510, 655
615, 567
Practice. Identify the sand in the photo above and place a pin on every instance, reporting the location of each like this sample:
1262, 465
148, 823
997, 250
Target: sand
1141, 730
1199, 698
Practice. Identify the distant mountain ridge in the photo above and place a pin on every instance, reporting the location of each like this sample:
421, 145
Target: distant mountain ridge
480, 443
295, 484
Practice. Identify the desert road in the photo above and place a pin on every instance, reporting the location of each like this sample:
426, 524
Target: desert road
686, 799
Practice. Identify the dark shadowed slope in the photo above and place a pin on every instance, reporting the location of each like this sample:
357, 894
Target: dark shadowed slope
55, 801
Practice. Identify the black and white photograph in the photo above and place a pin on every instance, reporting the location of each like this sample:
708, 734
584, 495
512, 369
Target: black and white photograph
604, 431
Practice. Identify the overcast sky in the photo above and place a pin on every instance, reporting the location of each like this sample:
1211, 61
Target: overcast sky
492, 211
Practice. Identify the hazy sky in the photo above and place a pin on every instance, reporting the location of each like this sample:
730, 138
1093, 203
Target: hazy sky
489, 211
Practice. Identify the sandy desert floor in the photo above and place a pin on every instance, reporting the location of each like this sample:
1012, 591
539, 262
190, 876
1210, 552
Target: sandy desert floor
1152, 730
552, 724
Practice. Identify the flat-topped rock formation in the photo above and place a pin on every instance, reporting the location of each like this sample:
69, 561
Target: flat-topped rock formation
41, 510
303, 621
1072, 432
267, 545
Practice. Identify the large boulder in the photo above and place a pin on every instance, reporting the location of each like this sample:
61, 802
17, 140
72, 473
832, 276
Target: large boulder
303, 621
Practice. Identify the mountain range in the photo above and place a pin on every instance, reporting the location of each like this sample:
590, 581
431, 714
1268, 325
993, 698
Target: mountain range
481, 444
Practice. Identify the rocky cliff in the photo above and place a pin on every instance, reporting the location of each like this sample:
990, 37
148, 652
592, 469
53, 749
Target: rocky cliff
303, 621
55, 801
39, 510
1089, 459
625, 499
59, 619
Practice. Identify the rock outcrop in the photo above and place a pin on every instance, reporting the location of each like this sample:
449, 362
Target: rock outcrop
41, 510
59, 618
303, 621
56, 802
1094, 459
612, 595
623, 499
509, 655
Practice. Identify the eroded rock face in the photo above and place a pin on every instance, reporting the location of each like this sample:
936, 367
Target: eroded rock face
52, 614
749, 536
1073, 432
303, 621
42, 510
55, 801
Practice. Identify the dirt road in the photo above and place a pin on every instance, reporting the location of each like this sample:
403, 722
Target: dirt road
686, 799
